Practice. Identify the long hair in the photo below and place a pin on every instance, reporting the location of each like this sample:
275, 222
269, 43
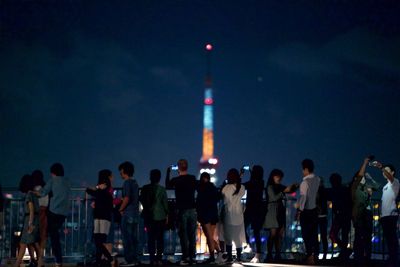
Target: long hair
257, 174
104, 177
26, 184
274, 172
233, 177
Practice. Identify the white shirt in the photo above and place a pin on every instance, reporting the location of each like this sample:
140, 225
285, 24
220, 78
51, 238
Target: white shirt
308, 192
233, 204
389, 194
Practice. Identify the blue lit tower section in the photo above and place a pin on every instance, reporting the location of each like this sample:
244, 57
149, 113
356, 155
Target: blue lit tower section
208, 162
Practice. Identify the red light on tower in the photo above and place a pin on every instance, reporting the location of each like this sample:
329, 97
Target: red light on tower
209, 47
208, 101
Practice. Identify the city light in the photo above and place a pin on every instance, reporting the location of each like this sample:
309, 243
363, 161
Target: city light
213, 161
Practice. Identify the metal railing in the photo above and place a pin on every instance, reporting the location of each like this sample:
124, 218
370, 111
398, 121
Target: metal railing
77, 242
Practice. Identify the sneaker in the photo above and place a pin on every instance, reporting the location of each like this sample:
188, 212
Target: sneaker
237, 261
220, 258
184, 262
255, 259
247, 249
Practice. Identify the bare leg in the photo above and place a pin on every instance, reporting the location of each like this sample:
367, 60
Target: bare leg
39, 254
210, 241
31, 251
213, 227
21, 252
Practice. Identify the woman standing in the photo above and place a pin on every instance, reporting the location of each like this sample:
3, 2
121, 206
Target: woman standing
30, 232
232, 194
207, 212
254, 214
275, 220
115, 219
38, 183
102, 216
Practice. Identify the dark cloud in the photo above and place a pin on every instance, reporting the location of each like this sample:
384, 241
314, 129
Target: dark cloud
355, 54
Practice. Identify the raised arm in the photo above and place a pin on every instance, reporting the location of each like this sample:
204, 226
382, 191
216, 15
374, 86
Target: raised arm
361, 172
360, 175
168, 184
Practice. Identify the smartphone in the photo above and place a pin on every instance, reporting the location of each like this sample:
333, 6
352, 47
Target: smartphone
174, 167
246, 167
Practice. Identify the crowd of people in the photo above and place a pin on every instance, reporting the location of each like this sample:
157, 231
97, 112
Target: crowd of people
220, 212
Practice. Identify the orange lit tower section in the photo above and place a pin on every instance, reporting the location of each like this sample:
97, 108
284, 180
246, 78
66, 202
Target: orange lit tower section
208, 162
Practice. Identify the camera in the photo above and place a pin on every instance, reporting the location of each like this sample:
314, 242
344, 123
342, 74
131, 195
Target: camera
174, 167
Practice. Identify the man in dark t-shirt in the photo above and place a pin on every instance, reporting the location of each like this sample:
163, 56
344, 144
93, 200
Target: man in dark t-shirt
129, 214
185, 187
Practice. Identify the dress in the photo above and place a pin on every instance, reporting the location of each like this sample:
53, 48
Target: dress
207, 204
29, 238
276, 211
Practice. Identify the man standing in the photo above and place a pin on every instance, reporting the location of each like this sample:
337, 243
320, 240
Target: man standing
130, 214
59, 206
185, 187
390, 212
307, 210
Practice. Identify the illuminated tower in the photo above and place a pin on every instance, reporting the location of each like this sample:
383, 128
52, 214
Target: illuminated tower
208, 162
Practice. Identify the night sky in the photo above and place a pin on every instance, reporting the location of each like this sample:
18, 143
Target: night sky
91, 84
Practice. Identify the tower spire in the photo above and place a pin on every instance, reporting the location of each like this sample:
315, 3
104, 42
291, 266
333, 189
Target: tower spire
208, 162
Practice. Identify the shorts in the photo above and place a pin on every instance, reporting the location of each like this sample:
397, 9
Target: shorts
101, 226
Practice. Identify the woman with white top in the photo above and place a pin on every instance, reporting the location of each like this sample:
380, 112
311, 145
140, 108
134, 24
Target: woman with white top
233, 220
39, 183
